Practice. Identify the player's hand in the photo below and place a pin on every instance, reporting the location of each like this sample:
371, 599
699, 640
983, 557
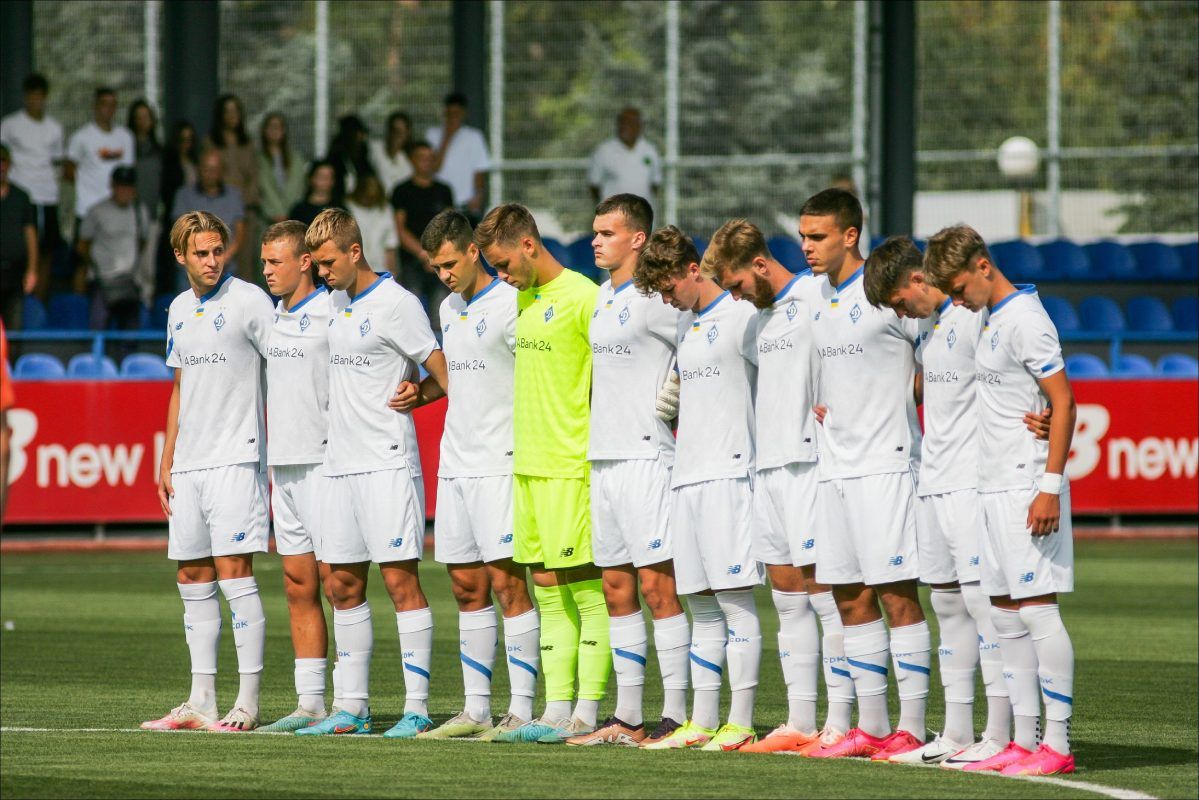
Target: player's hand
1039, 423
666, 405
405, 398
819, 412
165, 491
1044, 515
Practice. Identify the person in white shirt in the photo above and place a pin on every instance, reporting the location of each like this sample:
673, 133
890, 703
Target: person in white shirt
389, 155
369, 206
462, 156
1028, 552
712, 486
373, 508
868, 442
626, 163
95, 150
212, 480
785, 487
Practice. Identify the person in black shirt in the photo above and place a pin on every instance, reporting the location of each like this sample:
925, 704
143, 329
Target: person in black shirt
18, 246
416, 201
322, 193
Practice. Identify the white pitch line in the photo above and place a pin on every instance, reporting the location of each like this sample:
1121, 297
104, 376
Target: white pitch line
1086, 786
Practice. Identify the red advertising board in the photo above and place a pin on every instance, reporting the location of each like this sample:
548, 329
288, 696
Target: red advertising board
88, 451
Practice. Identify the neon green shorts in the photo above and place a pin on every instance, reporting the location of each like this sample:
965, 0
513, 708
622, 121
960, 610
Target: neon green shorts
552, 521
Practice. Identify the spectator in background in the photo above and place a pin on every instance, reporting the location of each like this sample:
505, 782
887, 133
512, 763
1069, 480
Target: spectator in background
18, 246
95, 150
228, 135
461, 157
178, 169
143, 124
281, 170
35, 144
110, 244
626, 163
415, 202
322, 193
389, 155
369, 207
210, 193
348, 153
6, 402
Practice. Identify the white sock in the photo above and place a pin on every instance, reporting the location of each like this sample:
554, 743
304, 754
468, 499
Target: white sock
202, 628
556, 710
310, 684
1020, 673
990, 664
799, 655
837, 680
744, 653
911, 653
477, 636
355, 638
630, 644
958, 658
336, 678
1055, 668
249, 635
866, 650
709, 636
416, 651
586, 711
672, 641
522, 635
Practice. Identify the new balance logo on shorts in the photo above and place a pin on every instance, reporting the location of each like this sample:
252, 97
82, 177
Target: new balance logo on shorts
654, 544
240, 536
974, 561
808, 544
1027, 577
506, 539
895, 561
567, 552
735, 569
396, 542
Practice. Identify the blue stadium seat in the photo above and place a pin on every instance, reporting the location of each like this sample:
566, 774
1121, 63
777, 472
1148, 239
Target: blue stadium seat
701, 244
1085, 365
1131, 365
38, 367
1101, 315
1149, 315
86, 366
1019, 260
1065, 259
557, 250
1188, 257
1111, 261
1177, 365
70, 312
1156, 260
33, 314
1186, 314
582, 255
788, 253
1062, 313
146, 366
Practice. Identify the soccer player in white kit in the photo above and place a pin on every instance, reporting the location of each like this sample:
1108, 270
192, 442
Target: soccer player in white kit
297, 404
1028, 551
786, 524
869, 440
473, 535
373, 509
712, 487
633, 340
212, 480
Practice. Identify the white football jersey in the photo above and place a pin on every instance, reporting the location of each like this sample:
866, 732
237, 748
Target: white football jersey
717, 355
297, 382
949, 450
218, 340
479, 339
376, 341
633, 340
867, 375
788, 368
1019, 346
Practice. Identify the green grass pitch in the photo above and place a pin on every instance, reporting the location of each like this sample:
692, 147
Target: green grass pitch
96, 642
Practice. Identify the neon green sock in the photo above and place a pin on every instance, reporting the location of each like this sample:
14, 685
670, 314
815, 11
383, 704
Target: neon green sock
559, 640
595, 654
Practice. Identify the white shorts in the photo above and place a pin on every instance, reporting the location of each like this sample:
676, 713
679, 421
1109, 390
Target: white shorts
220, 511
785, 515
949, 533
1016, 563
630, 512
474, 519
297, 494
868, 532
373, 516
713, 547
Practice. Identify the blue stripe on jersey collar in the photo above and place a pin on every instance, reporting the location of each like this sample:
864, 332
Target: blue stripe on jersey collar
622, 287
712, 305
211, 293
941, 309
786, 289
486, 289
851, 278
382, 277
1021, 288
299, 305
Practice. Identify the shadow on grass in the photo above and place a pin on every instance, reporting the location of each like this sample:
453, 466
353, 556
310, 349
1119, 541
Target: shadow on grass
1097, 756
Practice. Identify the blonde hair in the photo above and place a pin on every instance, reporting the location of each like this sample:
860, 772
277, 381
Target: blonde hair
196, 222
733, 247
953, 250
666, 255
506, 225
333, 225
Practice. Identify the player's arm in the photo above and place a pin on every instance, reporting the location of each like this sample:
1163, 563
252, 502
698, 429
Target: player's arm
918, 387
434, 387
1045, 512
165, 489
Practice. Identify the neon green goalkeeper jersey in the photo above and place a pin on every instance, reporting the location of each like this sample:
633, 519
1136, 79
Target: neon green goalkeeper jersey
551, 423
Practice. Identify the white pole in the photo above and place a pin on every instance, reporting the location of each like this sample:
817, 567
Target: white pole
858, 123
320, 110
1053, 173
672, 113
495, 102
153, 10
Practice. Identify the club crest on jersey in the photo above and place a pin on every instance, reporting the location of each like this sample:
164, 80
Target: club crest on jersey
219, 322
304, 323
792, 310
364, 328
712, 334
624, 315
855, 313
481, 327
549, 314
994, 340
952, 338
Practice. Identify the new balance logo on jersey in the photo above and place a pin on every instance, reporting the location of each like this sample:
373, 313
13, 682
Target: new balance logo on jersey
219, 322
624, 315
304, 323
952, 338
364, 328
654, 544
1027, 577
994, 340
974, 561
808, 544
549, 314
855, 313
895, 561
240, 536
481, 327
567, 552
712, 334
735, 569
396, 542
792, 310
506, 539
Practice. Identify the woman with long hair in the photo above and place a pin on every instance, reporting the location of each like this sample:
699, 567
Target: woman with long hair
228, 135
322, 193
389, 155
148, 154
281, 170
380, 239
179, 159
348, 152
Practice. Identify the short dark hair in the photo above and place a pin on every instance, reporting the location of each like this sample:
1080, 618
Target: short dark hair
415, 145
448, 226
35, 82
101, 91
836, 203
396, 115
666, 255
889, 267
455, 98
638, 213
